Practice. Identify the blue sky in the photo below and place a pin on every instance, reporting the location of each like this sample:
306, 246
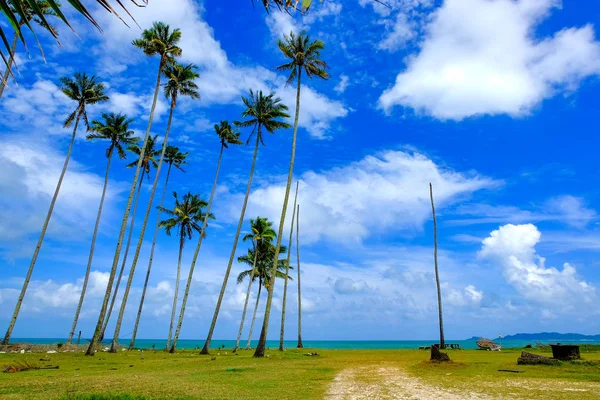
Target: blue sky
495, 102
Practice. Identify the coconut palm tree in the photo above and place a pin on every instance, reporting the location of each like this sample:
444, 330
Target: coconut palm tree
161, 41
437, 274
148, 162
180, 83
115, 129
285, 281
300, 344
86, 91
186, 218
228, 135
260, 229
173, 158
262, 272
29, 15
304, 56
262, 112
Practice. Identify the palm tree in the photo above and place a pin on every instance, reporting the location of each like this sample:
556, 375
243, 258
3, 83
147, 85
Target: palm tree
285, 284
186, 218
437, 275
29, 14
148, 162
159, 40
227, 135
85, 90
114, 128
261, 229
262, 272
180, 83
173, 158
300, 344
261, 112
304, 56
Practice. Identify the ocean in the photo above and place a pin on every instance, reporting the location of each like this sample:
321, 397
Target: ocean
311, 344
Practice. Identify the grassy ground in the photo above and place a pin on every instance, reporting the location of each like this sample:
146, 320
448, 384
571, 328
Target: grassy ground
289, 375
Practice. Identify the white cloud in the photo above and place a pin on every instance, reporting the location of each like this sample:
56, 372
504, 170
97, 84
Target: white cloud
343, 84
481, 57
513, 247
572, 209
468, 296
281, 24
338, 204
398, 32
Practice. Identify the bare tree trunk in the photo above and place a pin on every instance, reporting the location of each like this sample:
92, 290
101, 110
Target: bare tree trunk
254, 316
15, 315
136, 256
7, 73
262, 341
206, 348
91, 256
191, 273
94, 342
139, 314
239, 336
124, 262
300, 344
287, 271
181, 242
437, 275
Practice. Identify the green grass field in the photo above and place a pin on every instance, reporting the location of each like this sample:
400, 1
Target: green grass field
288, 375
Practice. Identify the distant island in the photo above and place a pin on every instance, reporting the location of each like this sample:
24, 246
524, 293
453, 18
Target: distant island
546, 336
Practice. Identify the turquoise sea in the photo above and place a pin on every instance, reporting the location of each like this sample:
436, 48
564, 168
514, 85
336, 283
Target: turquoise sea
313, 344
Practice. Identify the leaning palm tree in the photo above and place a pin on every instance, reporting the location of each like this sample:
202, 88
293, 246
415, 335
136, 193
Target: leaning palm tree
300, 344
148, 162
159, 40
173, 158
115, 129
29, 14
262, 272
304, 55
261, 112
285, 281
227, 135
180, 83
186, 217
85, 90
437, 275
261, 229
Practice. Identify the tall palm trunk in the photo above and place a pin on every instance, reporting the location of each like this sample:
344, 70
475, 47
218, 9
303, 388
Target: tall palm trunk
437, 275
191, 273
13, 320
205, 349
94, 342
8, 66
181, 242
300, 344
262, 341
254, 315
124, 262
139, 314
287, 271
239, 336
91, 256
136, 256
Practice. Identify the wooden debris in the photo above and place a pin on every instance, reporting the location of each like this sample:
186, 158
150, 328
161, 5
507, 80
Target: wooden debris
437, 355
534, 359
516, 371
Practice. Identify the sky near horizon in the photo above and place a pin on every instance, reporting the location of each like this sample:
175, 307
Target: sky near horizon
493, 101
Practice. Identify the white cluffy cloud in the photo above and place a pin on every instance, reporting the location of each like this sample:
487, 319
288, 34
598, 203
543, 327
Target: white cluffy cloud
481, 57
385, 192
513, 246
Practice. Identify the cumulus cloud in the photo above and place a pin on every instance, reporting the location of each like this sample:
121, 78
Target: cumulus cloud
513, 247
481, 57
338, 204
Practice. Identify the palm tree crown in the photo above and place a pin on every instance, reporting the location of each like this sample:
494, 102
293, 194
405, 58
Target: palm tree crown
115, 128
187, 216
175, 158
263, 111
304, 55
149, 155
264, 264
181, 82
84, 90
160, 40
227, 134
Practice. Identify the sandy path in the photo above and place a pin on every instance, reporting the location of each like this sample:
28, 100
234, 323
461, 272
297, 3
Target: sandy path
388, 383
